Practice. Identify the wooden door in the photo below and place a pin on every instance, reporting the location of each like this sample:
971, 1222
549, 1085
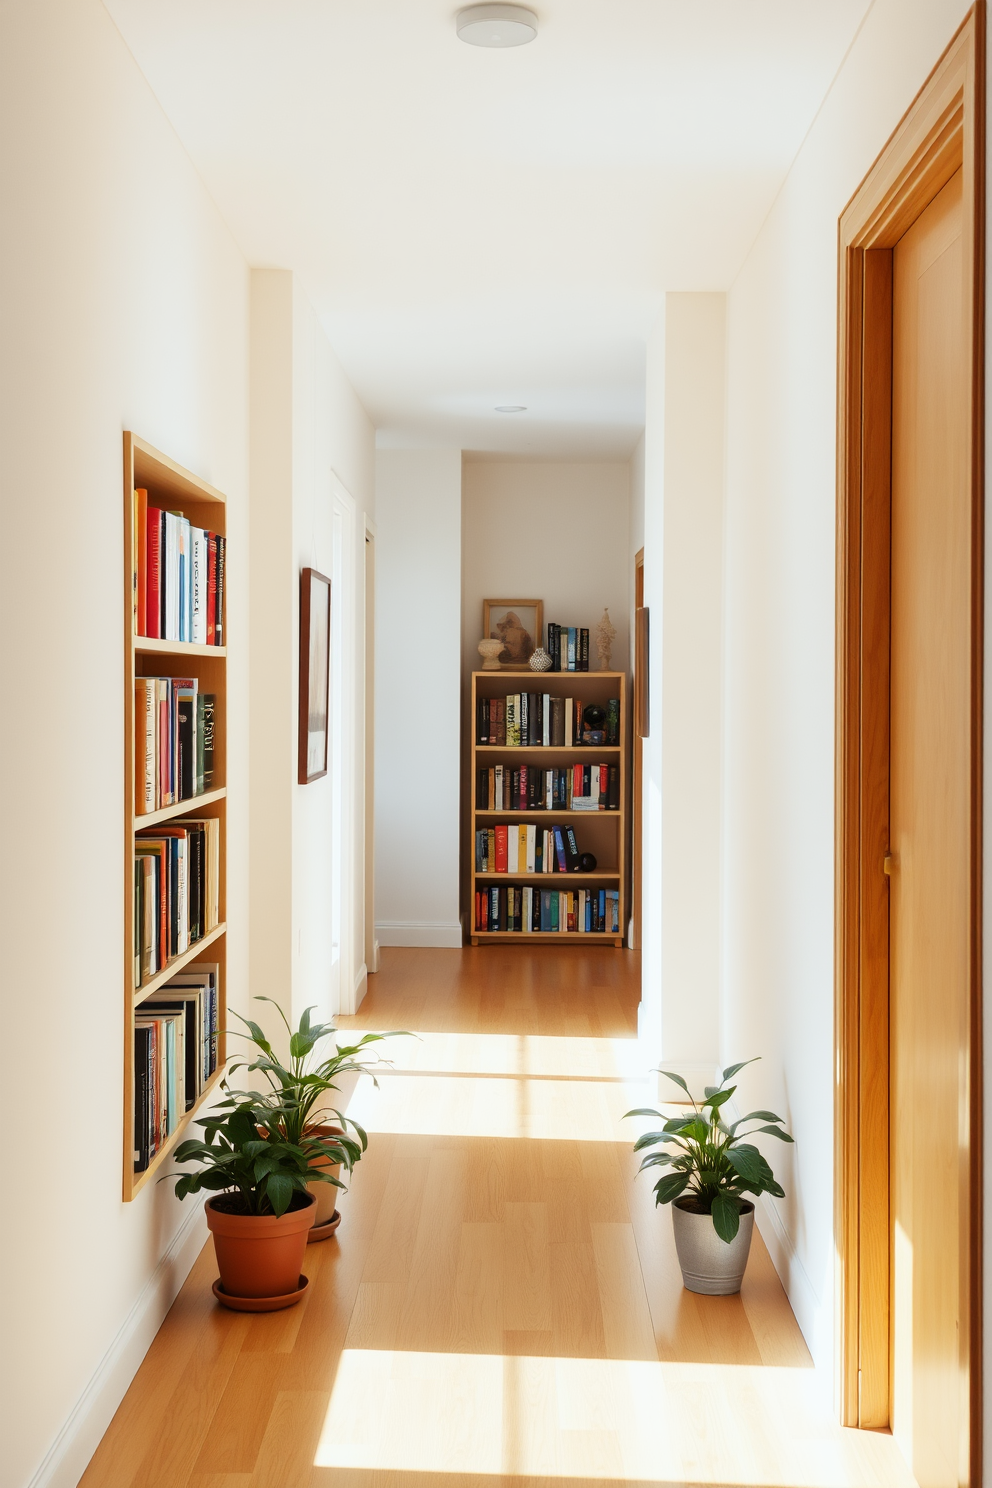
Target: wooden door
930, 833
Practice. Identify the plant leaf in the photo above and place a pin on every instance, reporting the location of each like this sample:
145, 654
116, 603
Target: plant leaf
726, 1215
775, 1131
670, 1075
667, 1189
732, 1069
643, 1111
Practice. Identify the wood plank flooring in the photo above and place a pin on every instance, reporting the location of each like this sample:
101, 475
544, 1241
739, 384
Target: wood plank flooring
502, 1303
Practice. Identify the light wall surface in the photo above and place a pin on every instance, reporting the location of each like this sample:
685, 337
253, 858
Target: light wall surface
550, 530
417, 696
691, 713
779, 638
124, 303
312, 449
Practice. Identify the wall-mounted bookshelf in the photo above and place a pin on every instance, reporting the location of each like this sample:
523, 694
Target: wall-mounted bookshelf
602, 832
187, 730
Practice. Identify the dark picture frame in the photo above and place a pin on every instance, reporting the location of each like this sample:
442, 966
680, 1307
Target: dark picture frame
315, 674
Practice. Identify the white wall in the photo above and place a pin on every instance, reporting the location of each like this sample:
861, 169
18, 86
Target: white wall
417, 696
124, 302
691, 642
551, 530
779, 637
312, 451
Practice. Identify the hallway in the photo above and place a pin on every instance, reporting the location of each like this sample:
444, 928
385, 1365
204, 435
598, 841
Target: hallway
502, 1302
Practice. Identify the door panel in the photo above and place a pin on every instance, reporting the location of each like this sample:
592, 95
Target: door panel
930, 703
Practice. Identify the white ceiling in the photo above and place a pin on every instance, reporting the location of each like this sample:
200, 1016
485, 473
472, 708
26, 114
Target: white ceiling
478, 227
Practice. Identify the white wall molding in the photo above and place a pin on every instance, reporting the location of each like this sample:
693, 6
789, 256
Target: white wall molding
68, 1456
424, 933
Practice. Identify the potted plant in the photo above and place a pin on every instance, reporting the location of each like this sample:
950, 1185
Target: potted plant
263, 1206
300, 1089
713, 1167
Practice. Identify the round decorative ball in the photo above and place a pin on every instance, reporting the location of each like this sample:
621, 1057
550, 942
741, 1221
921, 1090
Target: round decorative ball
587, 863
593, 716
489, 650
540, 661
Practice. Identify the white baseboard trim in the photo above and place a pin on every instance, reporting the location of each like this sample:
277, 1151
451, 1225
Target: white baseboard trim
68, 1457
805, 1303
421, 933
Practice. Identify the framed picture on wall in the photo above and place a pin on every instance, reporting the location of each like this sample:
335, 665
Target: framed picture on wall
518, 624
315, 673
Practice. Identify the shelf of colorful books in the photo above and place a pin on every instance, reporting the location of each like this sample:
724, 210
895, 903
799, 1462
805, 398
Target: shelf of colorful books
181, 1132
191, 803
552, 880
178, 963
561, 937
178, 648
541, 751
540, 815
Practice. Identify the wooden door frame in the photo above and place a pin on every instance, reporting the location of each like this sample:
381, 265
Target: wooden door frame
942, 131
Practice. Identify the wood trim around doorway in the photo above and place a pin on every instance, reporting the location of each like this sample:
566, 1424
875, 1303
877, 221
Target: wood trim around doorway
943, 131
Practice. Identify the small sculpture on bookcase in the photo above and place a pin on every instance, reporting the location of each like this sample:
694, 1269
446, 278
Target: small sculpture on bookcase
540, 661
605, 636
489, 650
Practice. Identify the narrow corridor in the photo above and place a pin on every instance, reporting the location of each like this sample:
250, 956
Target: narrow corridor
502, 1303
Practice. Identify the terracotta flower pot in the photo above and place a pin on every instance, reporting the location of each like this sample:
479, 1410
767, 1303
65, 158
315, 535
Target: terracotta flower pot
325, 1193
260, 1255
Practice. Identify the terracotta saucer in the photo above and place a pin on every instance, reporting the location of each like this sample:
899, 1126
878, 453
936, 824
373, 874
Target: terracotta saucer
260, 1304
324, 1231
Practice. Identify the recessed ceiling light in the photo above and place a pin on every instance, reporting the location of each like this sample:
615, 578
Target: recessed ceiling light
496, 25
511, 408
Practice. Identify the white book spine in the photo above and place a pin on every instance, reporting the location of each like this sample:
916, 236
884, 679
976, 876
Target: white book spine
546, 721
498, 791
150, 718
199, 586
531, 848
512, 850
528, 910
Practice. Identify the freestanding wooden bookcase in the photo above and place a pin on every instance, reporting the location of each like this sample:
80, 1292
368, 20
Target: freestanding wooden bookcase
601, 832
172, 488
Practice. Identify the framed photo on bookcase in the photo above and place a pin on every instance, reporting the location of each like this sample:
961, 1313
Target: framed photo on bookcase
315, 673
518, 623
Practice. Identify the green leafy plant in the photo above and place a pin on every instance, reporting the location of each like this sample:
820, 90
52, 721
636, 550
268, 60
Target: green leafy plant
243, 1151
267, 1145
713, 1164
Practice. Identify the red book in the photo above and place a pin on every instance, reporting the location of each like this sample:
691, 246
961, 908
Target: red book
524, 790
211, 587
576, 780
153, 572
141, 553
604, 781
501, 849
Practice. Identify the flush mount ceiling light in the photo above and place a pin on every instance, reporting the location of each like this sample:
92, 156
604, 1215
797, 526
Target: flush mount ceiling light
511, 408
496, 25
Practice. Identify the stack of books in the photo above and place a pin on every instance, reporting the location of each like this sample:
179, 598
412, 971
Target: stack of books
568, 648
173, 741
538, 719
531, 849
566, 788
178, 592
175, 1053
176, 891
528, 910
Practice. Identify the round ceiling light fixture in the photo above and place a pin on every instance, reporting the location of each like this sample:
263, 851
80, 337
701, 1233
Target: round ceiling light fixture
511, 408
496, 25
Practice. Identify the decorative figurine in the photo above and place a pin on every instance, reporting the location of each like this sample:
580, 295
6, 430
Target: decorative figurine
489, 650
540, 661
605, 635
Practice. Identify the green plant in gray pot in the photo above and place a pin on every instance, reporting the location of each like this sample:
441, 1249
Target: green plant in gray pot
713, 1166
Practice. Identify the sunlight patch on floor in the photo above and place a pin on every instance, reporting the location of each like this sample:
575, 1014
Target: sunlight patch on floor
594, 1419
513, 1054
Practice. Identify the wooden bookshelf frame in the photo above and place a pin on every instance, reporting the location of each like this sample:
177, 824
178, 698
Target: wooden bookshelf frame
590, 687
169, 485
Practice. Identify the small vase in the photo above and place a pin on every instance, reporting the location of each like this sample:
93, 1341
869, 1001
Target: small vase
540, 661
489, 650
709, 1265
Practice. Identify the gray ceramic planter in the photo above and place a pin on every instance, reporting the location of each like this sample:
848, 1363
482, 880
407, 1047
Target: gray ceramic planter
709, 1264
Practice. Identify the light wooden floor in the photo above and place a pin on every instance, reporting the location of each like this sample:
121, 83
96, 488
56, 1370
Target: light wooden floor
502, 1304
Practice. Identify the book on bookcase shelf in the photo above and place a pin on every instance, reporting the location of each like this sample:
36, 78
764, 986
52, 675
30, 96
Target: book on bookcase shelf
540, 720
179, 576
173, 741
568, 647
175, 1053
176, 891
524, 909
512, 848
577, 787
